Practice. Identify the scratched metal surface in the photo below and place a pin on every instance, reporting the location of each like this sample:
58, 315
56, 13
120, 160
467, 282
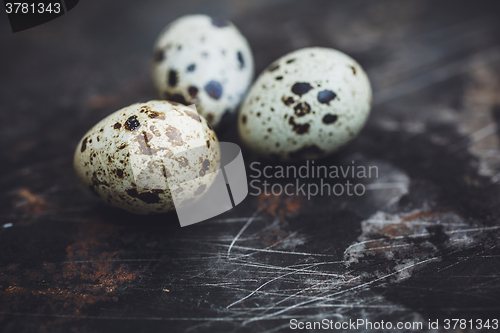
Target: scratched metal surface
421, 244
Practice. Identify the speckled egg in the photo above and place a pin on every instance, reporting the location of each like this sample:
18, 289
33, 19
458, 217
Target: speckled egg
137, 157
204, 61
305, 105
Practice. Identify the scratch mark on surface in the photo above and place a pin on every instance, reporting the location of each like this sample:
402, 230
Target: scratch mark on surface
329, 297
242, 230
437, 75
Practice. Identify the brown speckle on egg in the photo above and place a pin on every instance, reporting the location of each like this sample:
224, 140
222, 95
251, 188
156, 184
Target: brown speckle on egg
220, 22
183, 161
241, 60
210, 117
193, 115
214, 89
301, 109
325, 96
206, 164
200, 189
329, 119
193, 91
273, 67
132, 123
84, 145
174, 135
154, 114
301, 88
298, 128
172, 78
158, 55
287, 100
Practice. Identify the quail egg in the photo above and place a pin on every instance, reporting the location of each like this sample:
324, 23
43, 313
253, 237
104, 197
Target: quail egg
135, 158
203, 60
305, 105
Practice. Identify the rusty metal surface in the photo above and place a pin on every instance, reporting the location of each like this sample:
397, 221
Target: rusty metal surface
422, 243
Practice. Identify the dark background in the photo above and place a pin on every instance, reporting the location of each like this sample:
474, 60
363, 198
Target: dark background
422, 243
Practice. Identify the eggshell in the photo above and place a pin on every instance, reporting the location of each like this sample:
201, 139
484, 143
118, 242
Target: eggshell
305, 105
204, 61
130, 158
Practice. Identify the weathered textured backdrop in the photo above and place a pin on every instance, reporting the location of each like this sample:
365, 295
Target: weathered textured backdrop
422, 243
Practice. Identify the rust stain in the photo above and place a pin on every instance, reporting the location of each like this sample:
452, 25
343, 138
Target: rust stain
404, 227
275, 236
420, 215
90, 275
395, 230
284, 206
30, 202
90, 261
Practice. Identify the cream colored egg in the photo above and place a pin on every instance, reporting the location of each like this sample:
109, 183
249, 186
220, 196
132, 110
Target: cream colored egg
305, 105
205, 61
135, 158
